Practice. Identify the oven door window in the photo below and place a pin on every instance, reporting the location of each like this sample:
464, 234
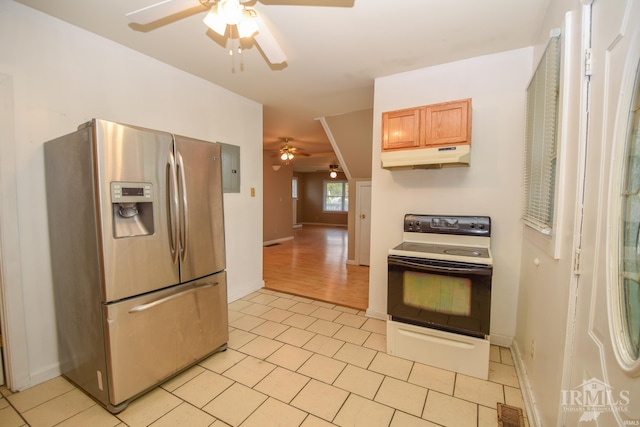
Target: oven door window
442, 294
449, 296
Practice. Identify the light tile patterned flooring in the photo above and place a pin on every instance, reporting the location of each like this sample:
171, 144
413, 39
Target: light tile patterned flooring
291, 361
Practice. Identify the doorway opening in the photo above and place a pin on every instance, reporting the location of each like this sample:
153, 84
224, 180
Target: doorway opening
314, 265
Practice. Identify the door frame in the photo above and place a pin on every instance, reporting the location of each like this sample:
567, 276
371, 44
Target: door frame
585, 43
12, 316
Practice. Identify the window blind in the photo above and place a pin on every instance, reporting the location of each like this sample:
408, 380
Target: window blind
540, 140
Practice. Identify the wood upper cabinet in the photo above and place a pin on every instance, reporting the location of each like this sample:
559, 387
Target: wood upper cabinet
448, 123
401, 129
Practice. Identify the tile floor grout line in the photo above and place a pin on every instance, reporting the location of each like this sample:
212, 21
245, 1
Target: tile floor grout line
349, 392
16, 410
349, 353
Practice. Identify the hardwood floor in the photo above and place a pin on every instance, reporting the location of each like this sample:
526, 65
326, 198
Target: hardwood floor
314, 265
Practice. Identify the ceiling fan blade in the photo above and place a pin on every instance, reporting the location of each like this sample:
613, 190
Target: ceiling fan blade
160, 10
268, 43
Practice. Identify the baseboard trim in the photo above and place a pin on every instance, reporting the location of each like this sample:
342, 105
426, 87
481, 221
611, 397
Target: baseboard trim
49, 373
376, 314
244, 291
530, 406
501, 340
325, 224
272, 242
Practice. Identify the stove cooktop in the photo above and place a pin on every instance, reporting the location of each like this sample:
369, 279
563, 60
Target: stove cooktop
438, 251
426, 248
453, 238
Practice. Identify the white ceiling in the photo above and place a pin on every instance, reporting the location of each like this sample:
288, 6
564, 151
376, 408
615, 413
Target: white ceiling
335, 48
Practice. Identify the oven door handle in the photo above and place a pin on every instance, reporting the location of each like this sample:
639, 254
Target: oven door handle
439, 268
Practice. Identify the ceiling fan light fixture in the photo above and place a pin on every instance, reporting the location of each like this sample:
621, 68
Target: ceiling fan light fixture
247, 25
216, 22
230, 11
333, 171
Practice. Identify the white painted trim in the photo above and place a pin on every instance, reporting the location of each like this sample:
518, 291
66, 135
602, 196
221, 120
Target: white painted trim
375, 314
325, 224
528, 397
272, 242
15, 349
336, 150
243, 291
581, 161
501, 340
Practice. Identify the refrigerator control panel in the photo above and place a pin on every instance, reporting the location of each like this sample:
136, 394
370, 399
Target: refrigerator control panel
131, 192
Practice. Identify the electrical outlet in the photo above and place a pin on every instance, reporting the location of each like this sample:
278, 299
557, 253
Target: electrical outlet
532, 349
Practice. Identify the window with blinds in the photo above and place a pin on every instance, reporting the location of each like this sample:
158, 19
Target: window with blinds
540, 140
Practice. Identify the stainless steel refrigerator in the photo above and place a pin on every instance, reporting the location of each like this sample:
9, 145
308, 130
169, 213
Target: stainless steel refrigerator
138, 256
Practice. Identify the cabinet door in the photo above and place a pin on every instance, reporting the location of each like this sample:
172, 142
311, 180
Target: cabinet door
447, 123
401, 129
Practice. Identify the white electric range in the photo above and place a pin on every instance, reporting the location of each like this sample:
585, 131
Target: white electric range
439, 292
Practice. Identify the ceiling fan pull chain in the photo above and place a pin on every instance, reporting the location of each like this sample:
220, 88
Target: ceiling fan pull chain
230, 45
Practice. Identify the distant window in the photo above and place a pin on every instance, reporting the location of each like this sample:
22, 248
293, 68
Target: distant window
294, 187
335, 196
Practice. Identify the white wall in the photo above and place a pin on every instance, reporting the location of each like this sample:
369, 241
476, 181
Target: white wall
490, 186
54, 76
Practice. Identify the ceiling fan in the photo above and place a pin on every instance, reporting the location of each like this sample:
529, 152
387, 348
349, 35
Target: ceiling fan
333, 170
242, 19
287, 152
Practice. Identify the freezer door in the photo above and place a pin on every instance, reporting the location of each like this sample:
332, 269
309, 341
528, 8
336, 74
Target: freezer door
201, 213
157, 335
137, 249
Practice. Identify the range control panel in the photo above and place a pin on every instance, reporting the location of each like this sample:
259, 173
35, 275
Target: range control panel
448, 224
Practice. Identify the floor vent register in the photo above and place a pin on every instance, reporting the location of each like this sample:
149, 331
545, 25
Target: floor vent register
509, 416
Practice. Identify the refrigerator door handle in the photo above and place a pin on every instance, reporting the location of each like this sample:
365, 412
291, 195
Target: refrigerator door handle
149, 305
172, 216
184, 223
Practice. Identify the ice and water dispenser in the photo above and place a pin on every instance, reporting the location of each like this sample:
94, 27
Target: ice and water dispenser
132, 204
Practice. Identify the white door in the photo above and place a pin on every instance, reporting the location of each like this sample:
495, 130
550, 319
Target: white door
363, 222
294, 197
603, 391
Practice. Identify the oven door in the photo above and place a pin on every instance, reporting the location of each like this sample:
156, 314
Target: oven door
445, 295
